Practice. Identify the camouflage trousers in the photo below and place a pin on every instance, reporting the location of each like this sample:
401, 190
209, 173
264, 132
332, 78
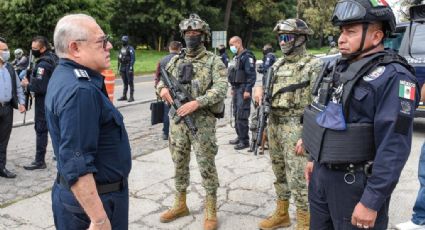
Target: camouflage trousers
204, 147
283, 134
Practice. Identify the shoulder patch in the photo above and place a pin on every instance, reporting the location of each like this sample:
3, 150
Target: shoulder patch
375, 74
40, 72
407, 90
81, 74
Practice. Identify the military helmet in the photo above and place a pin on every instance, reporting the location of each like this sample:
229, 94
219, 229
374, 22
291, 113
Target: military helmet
124, 38
18, 52
194, 22
364, 11
292, 26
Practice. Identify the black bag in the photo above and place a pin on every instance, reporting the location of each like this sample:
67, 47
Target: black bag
157, 112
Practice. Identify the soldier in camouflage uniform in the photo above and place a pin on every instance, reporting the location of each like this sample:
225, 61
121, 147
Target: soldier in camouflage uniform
208, 86
292, 81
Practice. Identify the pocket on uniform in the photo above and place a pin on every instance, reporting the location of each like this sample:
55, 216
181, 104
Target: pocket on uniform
360, 93
71, 205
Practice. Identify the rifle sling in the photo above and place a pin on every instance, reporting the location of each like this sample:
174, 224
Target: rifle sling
292, 88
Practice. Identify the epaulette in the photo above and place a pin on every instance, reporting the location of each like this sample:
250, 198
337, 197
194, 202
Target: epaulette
81, 74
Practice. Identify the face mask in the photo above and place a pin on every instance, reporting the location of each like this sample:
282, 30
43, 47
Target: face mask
233, 49
287, 47
36, 53
5, 55
124, 43
192, 41
222, 50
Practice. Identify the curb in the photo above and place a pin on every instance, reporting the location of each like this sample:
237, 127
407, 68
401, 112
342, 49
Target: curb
128, 104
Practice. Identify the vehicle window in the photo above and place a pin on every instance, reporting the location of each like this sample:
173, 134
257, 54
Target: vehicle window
418, 48
394, 42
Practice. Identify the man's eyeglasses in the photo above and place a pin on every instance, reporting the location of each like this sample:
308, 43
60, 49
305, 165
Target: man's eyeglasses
104, 40
286, 37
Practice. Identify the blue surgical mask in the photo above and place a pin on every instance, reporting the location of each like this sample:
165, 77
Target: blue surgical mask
5, 55
233, 49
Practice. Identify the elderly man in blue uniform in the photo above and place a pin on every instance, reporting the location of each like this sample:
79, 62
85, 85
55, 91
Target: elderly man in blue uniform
126, 59
358, 129
11, 96
242, 77
39, 79
88, 135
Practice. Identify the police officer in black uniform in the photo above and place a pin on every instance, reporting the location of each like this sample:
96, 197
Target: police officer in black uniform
126, 59
268, 60
39, 78
223, 55
358, 130
242, 77
88, 133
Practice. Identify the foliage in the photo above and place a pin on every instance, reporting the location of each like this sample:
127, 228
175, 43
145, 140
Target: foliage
24, 19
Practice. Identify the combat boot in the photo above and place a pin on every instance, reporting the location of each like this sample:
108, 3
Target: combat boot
280, 217
123, 98
179, 209
131, 98
303, 220
210, 218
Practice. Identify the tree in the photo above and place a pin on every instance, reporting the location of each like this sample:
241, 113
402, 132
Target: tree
24, 19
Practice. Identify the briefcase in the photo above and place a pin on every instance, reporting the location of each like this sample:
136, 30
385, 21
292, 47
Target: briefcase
157, 112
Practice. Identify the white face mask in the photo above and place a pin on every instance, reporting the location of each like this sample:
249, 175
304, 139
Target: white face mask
5, 55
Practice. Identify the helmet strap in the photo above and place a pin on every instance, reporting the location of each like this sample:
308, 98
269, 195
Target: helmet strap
361, 50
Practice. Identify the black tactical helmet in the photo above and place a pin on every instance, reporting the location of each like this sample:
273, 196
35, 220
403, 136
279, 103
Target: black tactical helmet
364, 11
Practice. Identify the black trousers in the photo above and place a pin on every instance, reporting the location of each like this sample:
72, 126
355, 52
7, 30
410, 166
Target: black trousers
40, 127
127, 79
6, 120
332, 200
241, 111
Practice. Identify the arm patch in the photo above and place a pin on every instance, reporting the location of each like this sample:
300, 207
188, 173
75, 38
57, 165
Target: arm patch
402, 124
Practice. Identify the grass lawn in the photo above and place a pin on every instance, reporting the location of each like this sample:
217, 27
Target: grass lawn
147, 60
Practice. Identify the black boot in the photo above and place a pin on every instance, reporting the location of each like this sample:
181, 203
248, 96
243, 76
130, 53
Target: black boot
123, 98
35, 165
131, 98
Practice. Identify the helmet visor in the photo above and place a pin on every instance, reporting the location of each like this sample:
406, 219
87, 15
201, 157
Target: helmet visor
346, 11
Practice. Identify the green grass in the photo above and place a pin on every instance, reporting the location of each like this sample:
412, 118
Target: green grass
147, 60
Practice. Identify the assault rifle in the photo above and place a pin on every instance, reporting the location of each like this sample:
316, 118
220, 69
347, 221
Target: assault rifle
180, 96
28, 95
264, 110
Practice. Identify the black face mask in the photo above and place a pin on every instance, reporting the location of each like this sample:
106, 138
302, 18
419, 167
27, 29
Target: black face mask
222, 51
192, 41
36, 53
124, 43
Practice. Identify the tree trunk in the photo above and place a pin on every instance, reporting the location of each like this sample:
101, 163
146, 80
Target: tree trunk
227, 14
249, 33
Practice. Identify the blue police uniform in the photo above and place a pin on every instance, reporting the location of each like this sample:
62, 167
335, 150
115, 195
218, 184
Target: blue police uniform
268, 60
126, 59
242, 78
224, 58
383, 99
40, 77
88, 136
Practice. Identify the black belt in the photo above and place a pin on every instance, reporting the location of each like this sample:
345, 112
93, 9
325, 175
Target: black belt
366, 167
101, 188
4, 104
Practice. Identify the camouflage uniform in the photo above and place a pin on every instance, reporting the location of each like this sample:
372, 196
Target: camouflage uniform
208, 86
287, 109
298, 71
207, 68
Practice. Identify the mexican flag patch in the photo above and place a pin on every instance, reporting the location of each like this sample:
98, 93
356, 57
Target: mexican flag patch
407, 90
376, 3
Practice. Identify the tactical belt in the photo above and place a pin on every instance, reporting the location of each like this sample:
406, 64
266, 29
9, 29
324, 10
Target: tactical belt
353, 145
4, 104
365, 167
101, 188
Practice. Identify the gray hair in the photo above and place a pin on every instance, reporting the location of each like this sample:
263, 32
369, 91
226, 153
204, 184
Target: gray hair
70, 28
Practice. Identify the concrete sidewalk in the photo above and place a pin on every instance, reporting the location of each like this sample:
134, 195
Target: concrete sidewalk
245, 196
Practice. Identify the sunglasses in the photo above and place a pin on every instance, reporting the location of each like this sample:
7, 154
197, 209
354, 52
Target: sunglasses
104, 40
286, 37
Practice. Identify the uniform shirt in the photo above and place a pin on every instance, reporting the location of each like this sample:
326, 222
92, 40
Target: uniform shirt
41, 74
87, 132
386, 97
162, 63
246, 62
129, 51
6, 87
225, 59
